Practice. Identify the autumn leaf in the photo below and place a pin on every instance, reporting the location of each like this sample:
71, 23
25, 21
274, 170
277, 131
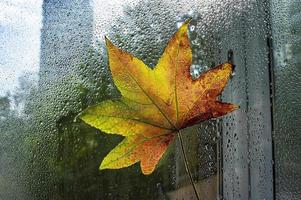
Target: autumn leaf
156, 103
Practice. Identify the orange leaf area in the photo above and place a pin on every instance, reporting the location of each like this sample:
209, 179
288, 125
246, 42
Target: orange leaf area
156, 103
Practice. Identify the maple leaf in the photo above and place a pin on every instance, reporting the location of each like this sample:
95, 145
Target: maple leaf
156, 103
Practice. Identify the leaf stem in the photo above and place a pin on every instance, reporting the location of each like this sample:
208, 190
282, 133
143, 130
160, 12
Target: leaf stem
186, 165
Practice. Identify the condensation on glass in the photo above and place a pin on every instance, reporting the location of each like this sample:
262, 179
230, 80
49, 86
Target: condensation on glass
286, 31
53, 63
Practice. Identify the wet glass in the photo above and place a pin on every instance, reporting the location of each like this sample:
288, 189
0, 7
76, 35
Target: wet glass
286, 24
54, 64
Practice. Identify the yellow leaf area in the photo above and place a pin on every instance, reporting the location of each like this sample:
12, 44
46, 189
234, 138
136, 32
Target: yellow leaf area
156, 103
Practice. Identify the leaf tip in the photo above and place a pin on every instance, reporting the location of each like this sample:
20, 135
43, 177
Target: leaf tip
228, 65
102, 166
185, 25
147, 172
187, 21
235, 106
108, 41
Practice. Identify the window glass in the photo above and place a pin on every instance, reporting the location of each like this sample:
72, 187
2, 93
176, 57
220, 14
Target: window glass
286, 37
54, 64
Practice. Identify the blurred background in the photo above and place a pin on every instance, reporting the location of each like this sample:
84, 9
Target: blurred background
53, 64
